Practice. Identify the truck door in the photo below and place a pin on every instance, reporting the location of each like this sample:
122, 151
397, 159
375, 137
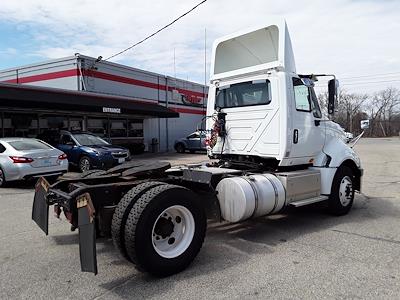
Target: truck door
308, 136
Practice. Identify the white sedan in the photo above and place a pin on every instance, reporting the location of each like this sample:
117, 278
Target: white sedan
24, 158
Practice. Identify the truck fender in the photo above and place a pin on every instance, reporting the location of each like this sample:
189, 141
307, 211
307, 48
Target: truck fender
334, 155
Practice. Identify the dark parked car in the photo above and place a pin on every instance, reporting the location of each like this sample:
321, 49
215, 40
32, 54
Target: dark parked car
86, 150
194, 141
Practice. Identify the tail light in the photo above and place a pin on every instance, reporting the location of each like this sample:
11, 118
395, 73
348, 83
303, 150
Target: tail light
21, 159
62, 156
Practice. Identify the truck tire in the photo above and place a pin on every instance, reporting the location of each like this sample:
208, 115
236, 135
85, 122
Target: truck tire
165, 230
122, 211
342, 192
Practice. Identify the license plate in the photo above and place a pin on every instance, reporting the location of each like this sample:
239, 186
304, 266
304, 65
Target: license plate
121, 160
46, 162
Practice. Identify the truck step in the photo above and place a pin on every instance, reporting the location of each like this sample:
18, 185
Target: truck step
309, 201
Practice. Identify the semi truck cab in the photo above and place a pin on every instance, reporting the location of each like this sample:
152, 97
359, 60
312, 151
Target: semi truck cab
269, 113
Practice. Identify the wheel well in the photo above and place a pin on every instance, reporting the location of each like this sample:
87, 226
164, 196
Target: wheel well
83, 155
357, 173
179, 143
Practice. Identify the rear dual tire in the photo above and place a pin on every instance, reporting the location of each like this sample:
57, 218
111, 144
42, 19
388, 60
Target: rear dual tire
159, 227
122, 211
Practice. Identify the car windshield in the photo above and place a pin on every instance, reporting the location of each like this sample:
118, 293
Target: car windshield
89, 140
29, 145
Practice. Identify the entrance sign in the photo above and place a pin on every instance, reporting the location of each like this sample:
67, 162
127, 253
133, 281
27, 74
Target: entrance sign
112, 110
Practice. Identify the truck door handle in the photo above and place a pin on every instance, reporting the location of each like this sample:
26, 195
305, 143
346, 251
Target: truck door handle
317, 122
295, 136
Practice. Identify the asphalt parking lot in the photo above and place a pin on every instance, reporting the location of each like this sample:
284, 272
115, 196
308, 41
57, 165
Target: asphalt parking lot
300, 255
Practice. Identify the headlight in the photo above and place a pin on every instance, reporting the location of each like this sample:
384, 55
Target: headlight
96, 152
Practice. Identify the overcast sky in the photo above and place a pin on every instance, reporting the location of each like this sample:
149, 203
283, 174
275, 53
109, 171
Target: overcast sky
350, 38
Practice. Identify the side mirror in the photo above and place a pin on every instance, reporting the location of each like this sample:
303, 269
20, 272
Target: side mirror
333, 85
364, 124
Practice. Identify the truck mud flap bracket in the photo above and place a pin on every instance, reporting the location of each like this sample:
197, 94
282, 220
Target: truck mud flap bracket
87, 233
40, 208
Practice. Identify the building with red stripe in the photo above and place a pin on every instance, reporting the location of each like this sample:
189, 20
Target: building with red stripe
135, 86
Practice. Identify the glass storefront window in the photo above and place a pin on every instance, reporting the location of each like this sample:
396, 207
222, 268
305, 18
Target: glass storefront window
135, 128
8, 128
97, 126
20, 125
48, 122
118, 128
75, 124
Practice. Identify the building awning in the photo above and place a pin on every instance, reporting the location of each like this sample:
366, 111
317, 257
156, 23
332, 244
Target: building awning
32, 97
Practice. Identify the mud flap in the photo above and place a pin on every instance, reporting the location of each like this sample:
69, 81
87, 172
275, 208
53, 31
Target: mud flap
87, 234
40, 208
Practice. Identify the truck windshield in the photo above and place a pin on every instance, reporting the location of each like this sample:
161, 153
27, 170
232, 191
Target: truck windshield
89, 140
243, 94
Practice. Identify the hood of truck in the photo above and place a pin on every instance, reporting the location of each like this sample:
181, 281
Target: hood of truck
253, 50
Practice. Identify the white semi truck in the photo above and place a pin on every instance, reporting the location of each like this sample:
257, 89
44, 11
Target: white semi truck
271, 145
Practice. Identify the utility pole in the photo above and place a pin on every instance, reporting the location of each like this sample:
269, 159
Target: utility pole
205, 68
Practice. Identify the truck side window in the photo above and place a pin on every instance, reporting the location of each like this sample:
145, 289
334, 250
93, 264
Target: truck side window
314, 104
301, 95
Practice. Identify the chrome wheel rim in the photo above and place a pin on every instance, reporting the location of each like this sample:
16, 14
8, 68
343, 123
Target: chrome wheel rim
173, 231
1, 177
345, 191
85, 165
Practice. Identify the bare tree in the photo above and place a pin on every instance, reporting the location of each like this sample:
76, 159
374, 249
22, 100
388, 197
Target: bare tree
349, 110
383, 109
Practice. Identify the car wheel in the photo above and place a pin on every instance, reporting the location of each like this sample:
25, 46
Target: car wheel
84, 164
2, 178
180, 148
342, 193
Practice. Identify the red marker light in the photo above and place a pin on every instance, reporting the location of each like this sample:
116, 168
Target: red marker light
62, 156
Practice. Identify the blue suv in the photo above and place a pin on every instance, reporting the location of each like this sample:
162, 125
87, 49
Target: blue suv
86, 150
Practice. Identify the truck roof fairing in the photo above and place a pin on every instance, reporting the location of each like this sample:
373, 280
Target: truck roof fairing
254, 49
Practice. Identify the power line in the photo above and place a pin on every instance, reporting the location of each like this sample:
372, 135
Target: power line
159, 30
371, 82
361, 82
371, 76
